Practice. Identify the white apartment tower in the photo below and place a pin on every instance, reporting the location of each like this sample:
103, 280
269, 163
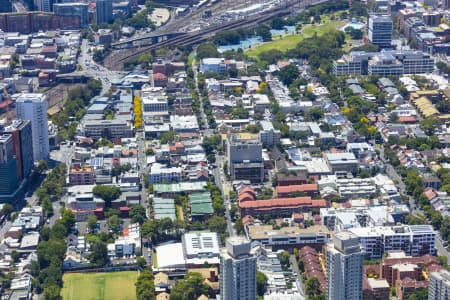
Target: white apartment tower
344, 267
33, 107
439, 288
237, 270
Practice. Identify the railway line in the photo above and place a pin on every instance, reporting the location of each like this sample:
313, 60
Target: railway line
116, 59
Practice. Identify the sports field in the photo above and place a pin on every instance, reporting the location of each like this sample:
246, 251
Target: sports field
99, 286
288, 42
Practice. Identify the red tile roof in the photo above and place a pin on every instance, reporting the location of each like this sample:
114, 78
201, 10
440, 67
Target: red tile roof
407, 119
296, 188
283, 202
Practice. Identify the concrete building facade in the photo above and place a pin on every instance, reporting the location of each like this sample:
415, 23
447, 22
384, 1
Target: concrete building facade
344, 267
237, 270
33, 107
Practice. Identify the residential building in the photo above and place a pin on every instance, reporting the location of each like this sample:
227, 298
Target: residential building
8, 166
345, 162
201, 206
33, 107
237, 270
81, 175
386, 62
249, 205
414, 240
43, 5
244, 154
380, 30
288, 238
344, 267
164, 208
76, 9
161, 174
439, 288
23, 146
104, 13
127, 245
268, 135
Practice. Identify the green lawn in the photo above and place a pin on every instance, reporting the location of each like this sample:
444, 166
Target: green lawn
290, 41
99, 286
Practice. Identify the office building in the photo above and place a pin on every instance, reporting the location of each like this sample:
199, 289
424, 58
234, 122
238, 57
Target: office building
21, 133
155, 103
9, 180
245, 160
104, 11
384, 63
344, 267
439, 287
73, 10
117, 128
380, 30
237, 270
33, 107
216, 65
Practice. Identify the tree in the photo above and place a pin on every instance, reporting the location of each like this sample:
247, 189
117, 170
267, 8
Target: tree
141, 262
207, 50
95, 86
137, 214
217, 224
278, 23
92, 223
68, 219
145, 286
139, 20
47, 207
7, 209
312, 287
239, 226
264, 32
15, 256
99, 253
315, 113
107, 192
42, 166
261, 283
114, 223
191, 287
52, 292
430, 124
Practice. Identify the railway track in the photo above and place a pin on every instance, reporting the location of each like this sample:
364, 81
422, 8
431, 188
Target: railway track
194, 38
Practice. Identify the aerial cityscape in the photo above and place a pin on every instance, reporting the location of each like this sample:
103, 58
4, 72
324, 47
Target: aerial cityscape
224, 149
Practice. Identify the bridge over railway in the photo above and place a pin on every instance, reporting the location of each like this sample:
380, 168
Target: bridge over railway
150, 42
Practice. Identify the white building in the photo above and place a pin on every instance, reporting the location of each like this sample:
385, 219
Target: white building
161, 174
201, 247
268, 134
33, 107
237, 270
213, 65
414, 240
154, 101
344, 267
439, 288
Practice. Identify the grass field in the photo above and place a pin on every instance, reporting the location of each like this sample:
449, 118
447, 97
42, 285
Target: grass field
288, 42
99, 286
